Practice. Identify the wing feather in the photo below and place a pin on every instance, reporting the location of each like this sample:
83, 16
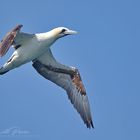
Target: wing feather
8, 40
72, 84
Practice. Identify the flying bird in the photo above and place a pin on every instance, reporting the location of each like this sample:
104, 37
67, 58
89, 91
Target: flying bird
36, 48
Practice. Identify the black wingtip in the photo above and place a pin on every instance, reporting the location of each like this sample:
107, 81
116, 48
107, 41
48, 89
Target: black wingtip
18, 27
90, 125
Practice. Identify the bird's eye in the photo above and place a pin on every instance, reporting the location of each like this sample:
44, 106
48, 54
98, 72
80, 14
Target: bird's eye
63, 30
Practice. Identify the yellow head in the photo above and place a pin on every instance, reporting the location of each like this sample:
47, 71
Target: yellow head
61, 32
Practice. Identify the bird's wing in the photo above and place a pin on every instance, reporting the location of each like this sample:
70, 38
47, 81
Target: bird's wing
71, 83
15, 38
22, 38
8, 40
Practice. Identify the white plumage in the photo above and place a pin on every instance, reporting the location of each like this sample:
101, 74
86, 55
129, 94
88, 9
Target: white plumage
36, 48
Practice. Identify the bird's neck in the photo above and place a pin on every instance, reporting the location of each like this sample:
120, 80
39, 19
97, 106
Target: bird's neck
47, 38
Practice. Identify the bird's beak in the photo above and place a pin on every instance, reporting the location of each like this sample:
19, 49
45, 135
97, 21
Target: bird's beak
70, 32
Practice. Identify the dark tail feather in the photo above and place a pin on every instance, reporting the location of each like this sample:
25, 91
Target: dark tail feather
3, 72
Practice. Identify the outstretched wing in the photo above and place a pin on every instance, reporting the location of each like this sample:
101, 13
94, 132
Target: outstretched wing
8, 40
71, 83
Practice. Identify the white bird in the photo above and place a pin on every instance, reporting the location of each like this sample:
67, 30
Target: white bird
36, 48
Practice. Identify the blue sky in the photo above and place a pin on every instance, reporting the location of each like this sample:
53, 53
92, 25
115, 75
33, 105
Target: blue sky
106, 51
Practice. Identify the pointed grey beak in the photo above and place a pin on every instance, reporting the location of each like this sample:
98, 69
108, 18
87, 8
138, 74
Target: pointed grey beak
70, 32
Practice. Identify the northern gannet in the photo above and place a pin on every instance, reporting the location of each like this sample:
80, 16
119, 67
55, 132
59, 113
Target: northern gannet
36, 48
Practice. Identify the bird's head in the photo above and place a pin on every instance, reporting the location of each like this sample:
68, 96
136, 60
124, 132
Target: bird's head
61, 32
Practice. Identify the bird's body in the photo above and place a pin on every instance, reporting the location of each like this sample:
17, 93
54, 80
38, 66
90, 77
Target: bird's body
33, 46
36, 48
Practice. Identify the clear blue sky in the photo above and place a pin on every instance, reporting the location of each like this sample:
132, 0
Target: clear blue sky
107, 53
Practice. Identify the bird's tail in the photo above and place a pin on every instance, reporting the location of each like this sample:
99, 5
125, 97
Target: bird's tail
9, 65
3, 71
6, 67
